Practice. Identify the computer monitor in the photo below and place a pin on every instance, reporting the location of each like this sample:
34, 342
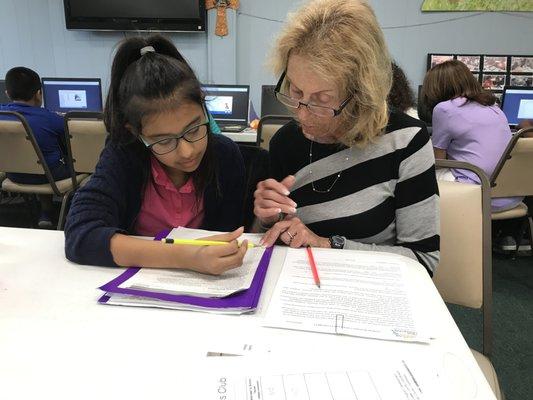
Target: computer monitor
228, 104
72, 94
517, 104
3, 96
269, 104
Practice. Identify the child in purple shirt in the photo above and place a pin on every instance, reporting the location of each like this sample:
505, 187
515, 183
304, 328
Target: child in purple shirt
467, 124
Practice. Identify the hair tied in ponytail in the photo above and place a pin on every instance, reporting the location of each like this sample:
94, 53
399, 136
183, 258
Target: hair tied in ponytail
147, 49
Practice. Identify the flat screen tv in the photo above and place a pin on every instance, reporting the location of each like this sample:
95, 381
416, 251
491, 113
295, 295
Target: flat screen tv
136, 15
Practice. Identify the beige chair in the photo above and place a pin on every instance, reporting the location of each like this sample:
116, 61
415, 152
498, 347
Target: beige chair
268, 126
85, 136
512, 177
464, 275
20, 153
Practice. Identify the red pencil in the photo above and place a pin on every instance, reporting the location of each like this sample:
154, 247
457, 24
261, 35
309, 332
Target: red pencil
313, 266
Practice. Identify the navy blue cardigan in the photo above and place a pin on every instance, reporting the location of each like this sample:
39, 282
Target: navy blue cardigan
110, 202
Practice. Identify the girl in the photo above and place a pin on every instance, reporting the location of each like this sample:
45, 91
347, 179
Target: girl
162, 167
467, 124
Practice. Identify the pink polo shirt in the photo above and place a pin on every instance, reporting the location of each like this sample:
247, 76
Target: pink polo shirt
166, 207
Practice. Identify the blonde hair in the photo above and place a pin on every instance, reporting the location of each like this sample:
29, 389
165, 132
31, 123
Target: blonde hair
343, 43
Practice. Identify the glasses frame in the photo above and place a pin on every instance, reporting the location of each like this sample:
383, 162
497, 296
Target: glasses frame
150, 146
336, 111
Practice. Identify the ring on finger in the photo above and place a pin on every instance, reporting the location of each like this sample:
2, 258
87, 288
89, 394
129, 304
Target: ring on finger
291, 236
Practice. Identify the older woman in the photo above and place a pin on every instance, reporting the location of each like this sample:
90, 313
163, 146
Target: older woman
348, 174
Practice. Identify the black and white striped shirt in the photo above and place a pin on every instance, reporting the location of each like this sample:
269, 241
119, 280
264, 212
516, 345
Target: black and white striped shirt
386, 198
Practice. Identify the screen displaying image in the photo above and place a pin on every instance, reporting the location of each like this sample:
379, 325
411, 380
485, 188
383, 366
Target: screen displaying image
63, 94
525, 109
472, 62
438, 59
493, 82
219, 105
518, 104
72, 98
494, 64
521, 64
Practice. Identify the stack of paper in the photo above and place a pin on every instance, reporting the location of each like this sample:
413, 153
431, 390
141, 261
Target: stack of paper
361, 294
234, 292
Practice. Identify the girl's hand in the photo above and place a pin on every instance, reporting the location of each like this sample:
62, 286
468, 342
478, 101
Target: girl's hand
272, 198
216, 260
293, 233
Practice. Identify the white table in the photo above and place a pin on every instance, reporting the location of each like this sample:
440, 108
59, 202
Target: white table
57, 342
246, 136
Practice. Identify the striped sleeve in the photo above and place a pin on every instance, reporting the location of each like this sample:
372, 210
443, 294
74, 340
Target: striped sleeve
417, 206
417, 202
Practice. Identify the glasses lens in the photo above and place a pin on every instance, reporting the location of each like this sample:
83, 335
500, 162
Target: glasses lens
286, 100
321, 111
165, 146
197, 133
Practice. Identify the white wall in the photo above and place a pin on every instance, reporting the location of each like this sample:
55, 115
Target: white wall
469, 33
33, 34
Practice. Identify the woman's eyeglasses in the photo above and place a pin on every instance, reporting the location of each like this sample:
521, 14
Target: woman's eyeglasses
170, 142
293, 103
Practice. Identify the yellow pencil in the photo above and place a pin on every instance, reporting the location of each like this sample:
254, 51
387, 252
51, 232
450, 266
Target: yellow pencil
199, 242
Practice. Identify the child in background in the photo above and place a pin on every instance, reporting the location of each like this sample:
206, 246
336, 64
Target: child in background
467, 124
162, 167
23, 86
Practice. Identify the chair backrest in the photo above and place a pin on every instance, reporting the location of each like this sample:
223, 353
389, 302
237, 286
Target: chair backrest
257, 164
464, 275
512, 175
19, 151
268, 126
85, 135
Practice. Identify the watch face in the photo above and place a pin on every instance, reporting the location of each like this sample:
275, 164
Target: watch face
337, 242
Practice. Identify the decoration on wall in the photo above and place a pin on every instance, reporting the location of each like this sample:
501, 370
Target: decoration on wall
221, 6
477, 5
493, 71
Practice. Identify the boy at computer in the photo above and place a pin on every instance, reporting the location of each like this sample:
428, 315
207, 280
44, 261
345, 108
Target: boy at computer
23, 87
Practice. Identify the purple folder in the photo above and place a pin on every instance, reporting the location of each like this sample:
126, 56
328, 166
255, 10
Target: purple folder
246, 299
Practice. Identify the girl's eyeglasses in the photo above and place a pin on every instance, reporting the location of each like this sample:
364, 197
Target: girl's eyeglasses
170, 142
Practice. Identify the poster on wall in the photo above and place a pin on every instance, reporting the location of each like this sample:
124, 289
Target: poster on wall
477, 5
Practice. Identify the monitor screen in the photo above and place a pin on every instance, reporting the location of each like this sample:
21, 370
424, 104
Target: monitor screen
269, 104
72, 94
153, 15
517, 104
3, 96
227, 104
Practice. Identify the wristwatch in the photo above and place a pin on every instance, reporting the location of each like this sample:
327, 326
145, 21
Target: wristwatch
337, 242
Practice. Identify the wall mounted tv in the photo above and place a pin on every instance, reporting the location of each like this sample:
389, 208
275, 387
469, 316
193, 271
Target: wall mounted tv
136, 15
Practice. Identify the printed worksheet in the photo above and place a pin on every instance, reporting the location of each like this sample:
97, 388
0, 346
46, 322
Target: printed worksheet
360, 295
174, 281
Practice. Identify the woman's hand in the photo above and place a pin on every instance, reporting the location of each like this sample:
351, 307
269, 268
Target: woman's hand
216, 260
272, 198
293, 233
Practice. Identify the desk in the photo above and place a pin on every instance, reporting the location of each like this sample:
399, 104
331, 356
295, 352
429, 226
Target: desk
246, 136
57, 342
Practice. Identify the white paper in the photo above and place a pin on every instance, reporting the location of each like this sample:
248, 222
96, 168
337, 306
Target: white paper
360, 295
186, 282
117, 299
393, 380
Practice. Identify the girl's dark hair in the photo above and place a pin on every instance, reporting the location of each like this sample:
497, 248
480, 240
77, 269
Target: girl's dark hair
452, 79
401, 96
155, 82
